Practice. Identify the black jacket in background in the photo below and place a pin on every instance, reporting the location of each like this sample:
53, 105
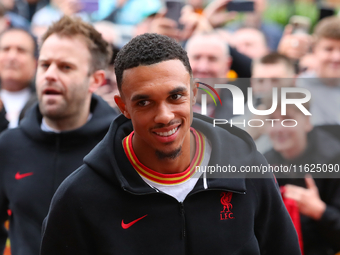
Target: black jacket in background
33, 164
241, 63
319, 237
89, 208
3, 121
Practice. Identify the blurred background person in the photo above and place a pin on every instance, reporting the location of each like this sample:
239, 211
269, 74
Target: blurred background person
318, 199
250, 42
131, 12
53, 11
24, 8
18, 62
195, 24
218, 15
109, 88
9, 19
271, 71
210, 62
324, 81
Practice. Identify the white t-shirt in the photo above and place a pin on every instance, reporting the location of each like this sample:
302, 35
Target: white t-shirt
14, 102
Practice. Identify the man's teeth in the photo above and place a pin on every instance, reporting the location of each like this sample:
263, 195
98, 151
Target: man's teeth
167, 133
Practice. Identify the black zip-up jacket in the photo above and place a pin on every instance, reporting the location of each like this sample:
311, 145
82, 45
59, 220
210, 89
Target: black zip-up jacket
106, 208
323, 236
32, 165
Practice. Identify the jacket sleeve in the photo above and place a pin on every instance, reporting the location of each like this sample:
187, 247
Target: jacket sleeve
63, 231
273, 226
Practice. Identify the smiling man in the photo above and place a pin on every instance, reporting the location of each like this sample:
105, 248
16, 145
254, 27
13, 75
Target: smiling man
138, 191
56, 133
324, 81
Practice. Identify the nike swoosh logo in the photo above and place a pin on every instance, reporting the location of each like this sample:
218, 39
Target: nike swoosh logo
126, 226
19, 176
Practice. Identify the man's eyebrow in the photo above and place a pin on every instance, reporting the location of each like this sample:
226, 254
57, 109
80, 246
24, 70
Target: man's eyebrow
145, 97
59, 62
178, 90
139, 97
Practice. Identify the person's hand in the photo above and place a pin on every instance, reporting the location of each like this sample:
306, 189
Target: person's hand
107, 93
1, 105
190, 20
216, 13
193, 23
294, 46
307, 199
164, 26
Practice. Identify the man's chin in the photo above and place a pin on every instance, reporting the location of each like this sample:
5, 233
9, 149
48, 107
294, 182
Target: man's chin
52, 112
172, 155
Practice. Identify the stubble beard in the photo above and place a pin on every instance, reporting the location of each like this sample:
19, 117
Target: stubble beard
161, 155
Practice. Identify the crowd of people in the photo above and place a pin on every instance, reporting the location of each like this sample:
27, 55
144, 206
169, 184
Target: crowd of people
62, 66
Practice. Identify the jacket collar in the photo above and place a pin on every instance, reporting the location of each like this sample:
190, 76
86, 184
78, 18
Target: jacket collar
102, 116
227, 148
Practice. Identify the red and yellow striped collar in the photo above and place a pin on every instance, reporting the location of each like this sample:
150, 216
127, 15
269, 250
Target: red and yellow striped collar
167, 179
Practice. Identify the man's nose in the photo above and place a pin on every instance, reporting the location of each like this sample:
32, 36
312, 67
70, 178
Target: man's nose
164, 114
51, 73
12, 54
202, 64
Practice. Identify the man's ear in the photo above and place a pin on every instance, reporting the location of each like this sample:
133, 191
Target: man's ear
122, 106
97, 80
194, 89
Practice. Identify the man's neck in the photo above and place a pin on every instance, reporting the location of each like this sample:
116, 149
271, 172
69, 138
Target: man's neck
67, 124
167, 166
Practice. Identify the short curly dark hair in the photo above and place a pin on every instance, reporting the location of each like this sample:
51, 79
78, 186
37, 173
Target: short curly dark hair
148, 49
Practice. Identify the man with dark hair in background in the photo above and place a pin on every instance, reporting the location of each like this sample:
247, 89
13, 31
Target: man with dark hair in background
56, 133
18, 62
134, 194
271, 71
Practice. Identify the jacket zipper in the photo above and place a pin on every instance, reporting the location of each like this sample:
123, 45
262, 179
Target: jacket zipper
183, 219
57, 148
